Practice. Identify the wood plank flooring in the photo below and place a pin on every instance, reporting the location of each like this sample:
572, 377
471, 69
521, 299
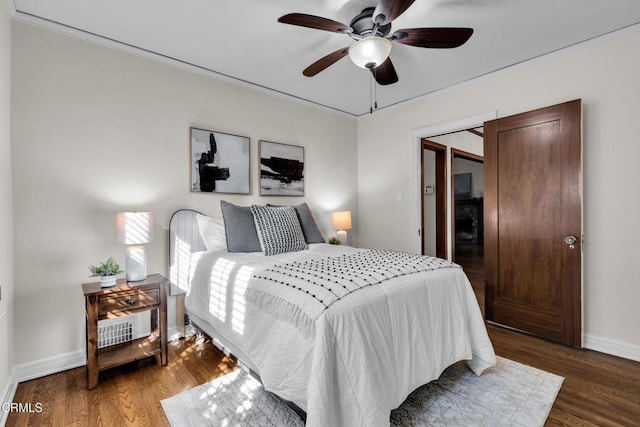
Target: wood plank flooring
599, 390
471, 258
126, 396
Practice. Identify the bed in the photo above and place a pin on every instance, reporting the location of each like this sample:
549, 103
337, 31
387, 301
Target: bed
350, 360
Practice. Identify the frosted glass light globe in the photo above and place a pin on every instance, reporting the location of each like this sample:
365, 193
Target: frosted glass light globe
370, 52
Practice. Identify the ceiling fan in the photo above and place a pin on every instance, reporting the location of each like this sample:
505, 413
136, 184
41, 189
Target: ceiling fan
370, 29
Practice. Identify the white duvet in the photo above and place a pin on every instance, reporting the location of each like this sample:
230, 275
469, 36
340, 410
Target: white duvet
369, 350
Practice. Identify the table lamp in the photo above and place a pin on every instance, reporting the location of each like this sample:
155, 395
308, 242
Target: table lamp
342, 223
135, 229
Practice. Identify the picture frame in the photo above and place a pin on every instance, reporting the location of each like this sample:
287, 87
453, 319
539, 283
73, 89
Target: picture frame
462, 186
220, 162
281, 169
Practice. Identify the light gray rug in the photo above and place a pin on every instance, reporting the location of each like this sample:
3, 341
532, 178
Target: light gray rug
509, 394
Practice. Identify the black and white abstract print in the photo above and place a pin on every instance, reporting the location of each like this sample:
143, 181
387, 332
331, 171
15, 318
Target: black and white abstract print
281, 169
219, 162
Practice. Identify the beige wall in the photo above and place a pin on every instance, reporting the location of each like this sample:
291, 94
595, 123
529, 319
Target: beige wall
6, 210
605, 75
97, 131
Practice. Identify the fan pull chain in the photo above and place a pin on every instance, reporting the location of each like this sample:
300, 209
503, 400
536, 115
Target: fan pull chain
373, 94
370, 93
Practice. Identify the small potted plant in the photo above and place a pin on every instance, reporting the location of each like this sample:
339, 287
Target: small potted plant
107, 272
334, 241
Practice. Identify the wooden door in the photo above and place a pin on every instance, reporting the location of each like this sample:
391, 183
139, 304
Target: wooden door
533, 211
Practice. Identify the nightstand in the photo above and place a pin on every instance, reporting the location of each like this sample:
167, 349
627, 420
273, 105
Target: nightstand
123, 299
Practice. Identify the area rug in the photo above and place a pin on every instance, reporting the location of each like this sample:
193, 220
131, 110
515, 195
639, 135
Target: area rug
508, 394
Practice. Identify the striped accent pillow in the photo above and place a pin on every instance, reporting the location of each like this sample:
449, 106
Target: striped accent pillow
278, 229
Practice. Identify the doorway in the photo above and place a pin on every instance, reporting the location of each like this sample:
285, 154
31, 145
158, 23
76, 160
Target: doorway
467, 217
434, 132
463, 204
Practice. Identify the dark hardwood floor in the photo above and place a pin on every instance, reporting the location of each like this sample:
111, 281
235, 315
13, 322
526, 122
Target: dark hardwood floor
470, 256
128, 395
598, 390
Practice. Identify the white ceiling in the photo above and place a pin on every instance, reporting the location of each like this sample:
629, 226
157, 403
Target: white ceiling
243, 40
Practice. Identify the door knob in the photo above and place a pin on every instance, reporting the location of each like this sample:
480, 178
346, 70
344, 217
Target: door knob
571, 241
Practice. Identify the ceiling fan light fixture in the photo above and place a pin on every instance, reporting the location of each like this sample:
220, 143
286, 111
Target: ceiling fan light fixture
370, 52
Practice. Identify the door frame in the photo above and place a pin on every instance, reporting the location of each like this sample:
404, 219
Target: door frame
440, 195
415, 188
455, 152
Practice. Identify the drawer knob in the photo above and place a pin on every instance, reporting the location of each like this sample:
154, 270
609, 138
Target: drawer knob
131, 301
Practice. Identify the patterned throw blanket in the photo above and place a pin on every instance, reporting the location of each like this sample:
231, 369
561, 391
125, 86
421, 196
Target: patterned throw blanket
298, 292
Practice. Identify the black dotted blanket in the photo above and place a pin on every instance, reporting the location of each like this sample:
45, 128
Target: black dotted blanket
298, 292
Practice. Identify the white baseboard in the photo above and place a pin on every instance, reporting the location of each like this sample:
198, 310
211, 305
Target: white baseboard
7, 396
613, 347
49, 365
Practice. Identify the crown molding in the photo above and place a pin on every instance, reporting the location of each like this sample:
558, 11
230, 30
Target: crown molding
559, 53
77, 33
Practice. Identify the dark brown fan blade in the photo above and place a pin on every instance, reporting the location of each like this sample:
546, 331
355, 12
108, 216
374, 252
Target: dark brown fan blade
437, 38
325, 62
312, 21
388, 10
385, 73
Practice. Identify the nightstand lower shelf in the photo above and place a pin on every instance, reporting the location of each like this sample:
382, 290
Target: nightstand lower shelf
140, 348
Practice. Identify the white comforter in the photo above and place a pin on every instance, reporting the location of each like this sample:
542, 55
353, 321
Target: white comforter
369, 350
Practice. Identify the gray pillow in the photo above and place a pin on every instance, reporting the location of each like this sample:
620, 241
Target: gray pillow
310, 229
240, 228
309, 226
278, 229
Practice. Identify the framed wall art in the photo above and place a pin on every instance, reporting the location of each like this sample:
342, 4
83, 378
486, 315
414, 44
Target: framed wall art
219, 162
281, 169
462, 186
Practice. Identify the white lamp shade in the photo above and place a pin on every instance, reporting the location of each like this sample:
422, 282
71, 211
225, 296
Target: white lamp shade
341, 220
370, 52
134, 228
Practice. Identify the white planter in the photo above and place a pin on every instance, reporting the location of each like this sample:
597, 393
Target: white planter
107, 281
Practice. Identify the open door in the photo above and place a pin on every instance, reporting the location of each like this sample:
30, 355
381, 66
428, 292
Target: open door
533, 222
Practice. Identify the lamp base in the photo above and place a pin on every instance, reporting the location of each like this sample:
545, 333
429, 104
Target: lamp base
342, 236
136, 263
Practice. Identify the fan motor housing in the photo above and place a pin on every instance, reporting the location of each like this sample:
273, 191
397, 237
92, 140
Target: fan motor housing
363, 24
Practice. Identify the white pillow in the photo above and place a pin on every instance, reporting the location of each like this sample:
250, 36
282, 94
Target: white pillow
212, 232
278, 229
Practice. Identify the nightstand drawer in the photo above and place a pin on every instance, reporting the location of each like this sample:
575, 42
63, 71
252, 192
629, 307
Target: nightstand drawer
130, 301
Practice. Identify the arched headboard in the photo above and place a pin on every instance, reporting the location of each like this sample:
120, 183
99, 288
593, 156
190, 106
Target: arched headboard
184, 239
